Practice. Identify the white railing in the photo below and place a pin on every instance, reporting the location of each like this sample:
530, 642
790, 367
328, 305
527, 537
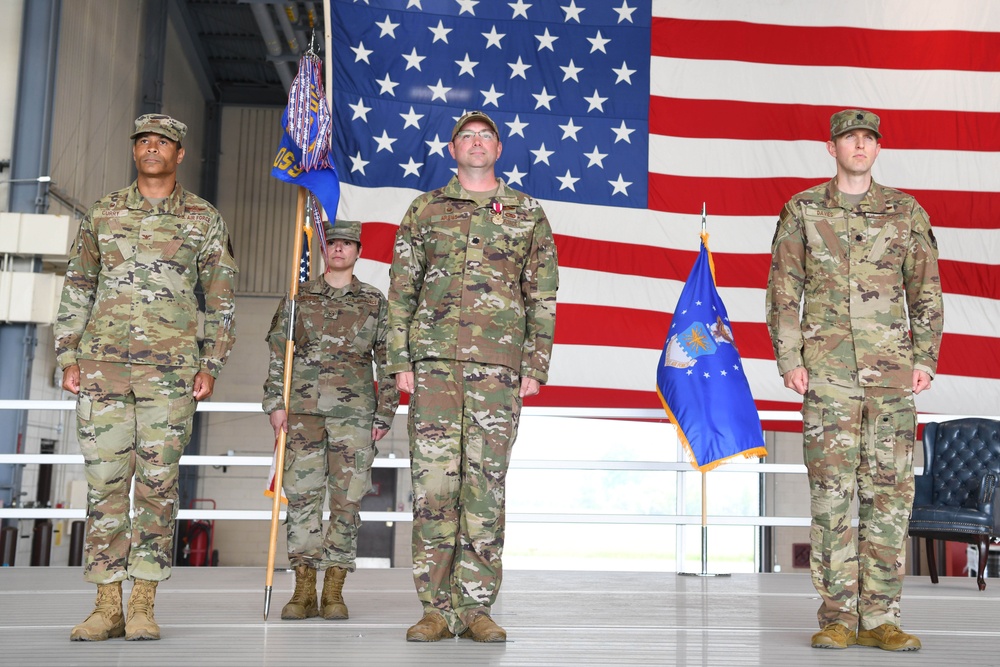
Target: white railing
391, 462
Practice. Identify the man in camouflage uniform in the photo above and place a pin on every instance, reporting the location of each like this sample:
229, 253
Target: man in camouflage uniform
335, 420
863, 259
471, 317
127, 340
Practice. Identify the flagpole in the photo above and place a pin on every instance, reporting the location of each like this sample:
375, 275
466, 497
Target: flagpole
286, 392
704, 481
704, 534
327, 53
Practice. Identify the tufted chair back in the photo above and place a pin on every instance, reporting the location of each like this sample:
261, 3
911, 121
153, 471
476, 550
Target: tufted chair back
958, 455
956, 496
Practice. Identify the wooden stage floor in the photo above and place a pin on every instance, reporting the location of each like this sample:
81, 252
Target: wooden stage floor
214, 616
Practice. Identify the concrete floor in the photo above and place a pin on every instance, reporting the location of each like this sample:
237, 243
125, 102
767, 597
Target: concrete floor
214, 616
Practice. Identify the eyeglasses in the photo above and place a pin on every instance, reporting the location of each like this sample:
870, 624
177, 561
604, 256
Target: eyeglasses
467, 135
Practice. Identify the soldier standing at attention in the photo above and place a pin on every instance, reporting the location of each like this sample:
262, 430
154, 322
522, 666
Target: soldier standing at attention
471, 316
334, 420
863, 259
127, 340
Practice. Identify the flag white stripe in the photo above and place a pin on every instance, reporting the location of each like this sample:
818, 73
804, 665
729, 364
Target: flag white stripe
980, 246
381, 204
963, 314
374, 273
632, 369
898, 168
825, 86
728, 234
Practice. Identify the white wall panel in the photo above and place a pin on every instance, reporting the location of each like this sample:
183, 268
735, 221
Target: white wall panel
183, 101
97, 80
259, 209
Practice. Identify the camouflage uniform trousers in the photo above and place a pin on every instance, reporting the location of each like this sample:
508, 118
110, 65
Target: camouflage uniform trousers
326, 456
463, 420
133, 420
859, 439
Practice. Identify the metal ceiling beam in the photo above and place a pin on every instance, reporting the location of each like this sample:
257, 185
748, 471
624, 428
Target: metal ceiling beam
191, 44
273, 95
153, 54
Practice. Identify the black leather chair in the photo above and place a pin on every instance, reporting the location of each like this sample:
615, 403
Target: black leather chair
956, 496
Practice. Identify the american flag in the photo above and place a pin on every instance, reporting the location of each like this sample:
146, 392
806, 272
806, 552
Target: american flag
624, 116
304, 259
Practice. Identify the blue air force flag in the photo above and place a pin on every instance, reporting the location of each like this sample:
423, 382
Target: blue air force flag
700, 378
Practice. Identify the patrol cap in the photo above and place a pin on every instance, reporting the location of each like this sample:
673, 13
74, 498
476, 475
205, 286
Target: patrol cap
171, 128
349, 230
470, 116
852, 119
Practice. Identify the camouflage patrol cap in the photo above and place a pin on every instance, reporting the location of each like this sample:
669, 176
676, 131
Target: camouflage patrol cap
852, 119
171, 128
470, 116
349, 230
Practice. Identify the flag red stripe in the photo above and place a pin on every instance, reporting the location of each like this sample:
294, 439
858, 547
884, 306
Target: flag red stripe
847, 46
377, 241
580, 324
982, 280
970, 356
696, 119
766, 196
731, 269
592, 397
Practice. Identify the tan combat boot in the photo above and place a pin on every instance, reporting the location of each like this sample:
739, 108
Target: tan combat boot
482, 628
333, 600
139, 624
106, 621
834, 635
431, 628
888, 637
303, 603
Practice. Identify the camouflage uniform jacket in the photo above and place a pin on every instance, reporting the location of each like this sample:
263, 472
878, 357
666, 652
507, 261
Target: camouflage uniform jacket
129, 295
338, 334
872, 311
473, 283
